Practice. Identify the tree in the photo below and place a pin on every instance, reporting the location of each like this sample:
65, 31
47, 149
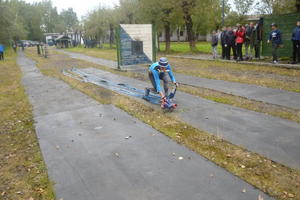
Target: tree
69, 18
243, 6
276, 7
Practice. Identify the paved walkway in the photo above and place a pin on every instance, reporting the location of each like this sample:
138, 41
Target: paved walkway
260, 63
258, 93
87, 156
275, 138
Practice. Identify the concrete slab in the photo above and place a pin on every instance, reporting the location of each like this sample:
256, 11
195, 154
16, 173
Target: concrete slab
84, 146
275, 138
259, 93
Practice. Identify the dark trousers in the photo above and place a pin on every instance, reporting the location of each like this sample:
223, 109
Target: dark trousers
239, 50
296, 51
223, 51
228, 51
274, 51
164, 78
257, 49
1, 56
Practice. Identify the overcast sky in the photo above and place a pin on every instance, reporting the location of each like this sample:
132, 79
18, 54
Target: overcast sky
79, 6
82, 7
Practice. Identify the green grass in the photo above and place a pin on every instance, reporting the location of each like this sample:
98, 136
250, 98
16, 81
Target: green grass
105, 53
184, 48
23, 174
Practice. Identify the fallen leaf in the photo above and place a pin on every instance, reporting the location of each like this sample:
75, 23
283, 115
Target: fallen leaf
290, 195
260, 197
116, 154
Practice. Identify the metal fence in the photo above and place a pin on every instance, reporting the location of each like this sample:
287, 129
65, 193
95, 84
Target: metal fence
286, 23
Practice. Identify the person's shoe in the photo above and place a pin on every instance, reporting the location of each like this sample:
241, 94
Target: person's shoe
147, 91
275, 62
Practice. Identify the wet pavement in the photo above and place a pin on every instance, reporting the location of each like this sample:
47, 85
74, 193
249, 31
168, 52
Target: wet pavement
275, 138
95, 151
258, 93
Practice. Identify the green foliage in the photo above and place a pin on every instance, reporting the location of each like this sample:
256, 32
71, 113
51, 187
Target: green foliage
276, 7
20, 20
243, 6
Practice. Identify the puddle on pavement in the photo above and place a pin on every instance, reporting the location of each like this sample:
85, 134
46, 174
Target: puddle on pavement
121, 88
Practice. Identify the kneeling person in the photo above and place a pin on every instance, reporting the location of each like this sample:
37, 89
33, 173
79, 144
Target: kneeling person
158, 71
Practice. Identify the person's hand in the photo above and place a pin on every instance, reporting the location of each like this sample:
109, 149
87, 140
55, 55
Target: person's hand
176, 84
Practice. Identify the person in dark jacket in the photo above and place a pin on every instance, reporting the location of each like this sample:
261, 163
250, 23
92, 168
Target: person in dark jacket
214, 44
258, 38
275, 39
240, 35
249, 40
230, 43
296, 43
222, 38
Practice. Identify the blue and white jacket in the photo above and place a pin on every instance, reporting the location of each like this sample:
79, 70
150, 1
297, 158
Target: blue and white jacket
2, 48
296, 34
155, 69
275, 37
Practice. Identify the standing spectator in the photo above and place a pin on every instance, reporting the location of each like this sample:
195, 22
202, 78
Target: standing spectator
2, 48
258, 38
214, 44
249, 40
296, 43
275, 39
222, 38
14, 46
230, 43
240, 35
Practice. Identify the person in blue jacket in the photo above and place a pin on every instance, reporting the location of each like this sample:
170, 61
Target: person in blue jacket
275, 39
2, 48
158, 71
296, 43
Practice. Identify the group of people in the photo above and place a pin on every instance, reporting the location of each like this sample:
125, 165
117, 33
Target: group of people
233, 39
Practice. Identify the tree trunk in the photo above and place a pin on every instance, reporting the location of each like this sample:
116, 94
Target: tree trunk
111, 35
298, 5
189, 24
158, 43
168, 36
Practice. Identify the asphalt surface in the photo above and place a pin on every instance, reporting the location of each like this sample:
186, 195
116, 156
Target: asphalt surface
95, 151
259, 93
275, 138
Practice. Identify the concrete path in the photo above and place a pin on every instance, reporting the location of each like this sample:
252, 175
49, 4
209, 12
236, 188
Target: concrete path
273, 137
259, 93
87, 156
260, 63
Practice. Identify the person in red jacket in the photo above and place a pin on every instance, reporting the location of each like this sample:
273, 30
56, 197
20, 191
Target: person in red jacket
240, 39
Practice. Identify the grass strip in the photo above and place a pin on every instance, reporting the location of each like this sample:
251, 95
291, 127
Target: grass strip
275, 179
23, 174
